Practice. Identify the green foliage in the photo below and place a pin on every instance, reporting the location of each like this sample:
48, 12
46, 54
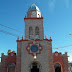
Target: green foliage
9, 51
13, 51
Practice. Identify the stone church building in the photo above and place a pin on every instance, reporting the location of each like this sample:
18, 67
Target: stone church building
34, 53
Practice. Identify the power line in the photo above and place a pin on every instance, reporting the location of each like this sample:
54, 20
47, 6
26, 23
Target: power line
21, 37
62, 47
8, 33
11, 28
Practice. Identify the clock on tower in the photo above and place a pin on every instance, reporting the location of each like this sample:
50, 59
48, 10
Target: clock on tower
33, 13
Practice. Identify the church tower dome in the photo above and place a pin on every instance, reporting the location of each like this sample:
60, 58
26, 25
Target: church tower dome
33, 7
33, 12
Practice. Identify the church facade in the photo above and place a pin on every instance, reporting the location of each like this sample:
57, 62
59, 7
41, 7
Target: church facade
34, 53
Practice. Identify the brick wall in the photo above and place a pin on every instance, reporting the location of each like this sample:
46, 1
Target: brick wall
34, 23
50, 60
18, 58
24, 59
3, 62
62, 60
10, 59
0, 66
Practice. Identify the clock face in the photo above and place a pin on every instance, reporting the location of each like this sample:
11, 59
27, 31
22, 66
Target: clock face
33, 13
34, 48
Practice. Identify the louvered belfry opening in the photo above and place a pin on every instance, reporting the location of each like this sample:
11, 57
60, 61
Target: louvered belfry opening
37, 32
30, 32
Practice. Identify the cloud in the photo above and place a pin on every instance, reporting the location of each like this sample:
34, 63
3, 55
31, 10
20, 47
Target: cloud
70, 59
52, 3
67, 3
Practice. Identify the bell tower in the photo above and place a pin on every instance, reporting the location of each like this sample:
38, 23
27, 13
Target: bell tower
34, 53
34, 27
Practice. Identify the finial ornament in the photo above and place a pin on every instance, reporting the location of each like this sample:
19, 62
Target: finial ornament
18, 38
68, 56
50, 37
25, 16
22, 37
33, 3
45, 37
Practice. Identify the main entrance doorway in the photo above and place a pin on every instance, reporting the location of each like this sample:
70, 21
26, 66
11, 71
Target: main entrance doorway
57, 67
35, 67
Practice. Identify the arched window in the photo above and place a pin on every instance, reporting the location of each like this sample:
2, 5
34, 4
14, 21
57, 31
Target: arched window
57, 67
30, 33
11, 68
37, 32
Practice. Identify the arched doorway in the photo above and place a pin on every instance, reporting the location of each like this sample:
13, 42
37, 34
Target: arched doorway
11, 68
30, 33
35, 67
57, 67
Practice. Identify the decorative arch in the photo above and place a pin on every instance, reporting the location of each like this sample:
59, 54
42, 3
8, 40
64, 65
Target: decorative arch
36, 32
30, 32
35, 67
11, 68
58, 67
